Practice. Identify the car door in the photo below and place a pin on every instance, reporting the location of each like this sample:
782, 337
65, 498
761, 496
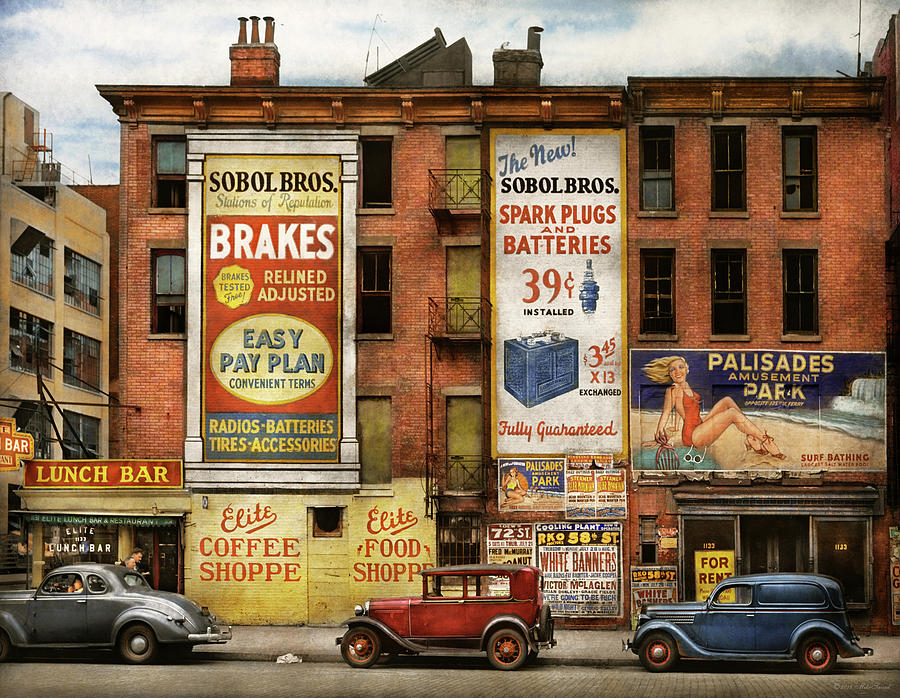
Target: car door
57, 615
441, 614
782, 607
729, 622
102, 609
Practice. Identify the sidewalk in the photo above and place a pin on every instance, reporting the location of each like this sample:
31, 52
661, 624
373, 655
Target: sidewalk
576, 647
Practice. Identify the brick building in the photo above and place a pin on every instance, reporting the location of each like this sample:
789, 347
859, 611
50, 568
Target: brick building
406, 324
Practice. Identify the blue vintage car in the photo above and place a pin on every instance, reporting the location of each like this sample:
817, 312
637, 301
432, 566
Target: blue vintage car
92, 605
761, 616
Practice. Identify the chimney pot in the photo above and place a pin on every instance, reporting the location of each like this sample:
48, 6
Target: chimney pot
534, 38
270, 29
254, 30
242, 33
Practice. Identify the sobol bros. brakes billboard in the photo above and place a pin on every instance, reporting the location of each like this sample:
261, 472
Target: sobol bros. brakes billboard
272, 303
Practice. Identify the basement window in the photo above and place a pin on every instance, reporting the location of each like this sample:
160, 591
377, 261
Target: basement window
327, 522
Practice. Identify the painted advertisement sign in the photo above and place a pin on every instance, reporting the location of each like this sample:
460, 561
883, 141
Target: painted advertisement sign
531, 484
102, 474
582, 568
651, 585
390, 550
757, 409
710, 568
895, 574
14, 445
557, 274
510, 544
272, 304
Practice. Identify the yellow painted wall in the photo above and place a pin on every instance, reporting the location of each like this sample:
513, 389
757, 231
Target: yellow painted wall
253, 559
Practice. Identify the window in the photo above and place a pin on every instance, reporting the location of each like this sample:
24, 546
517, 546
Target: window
169, 166
658, 291
96, 585
459, 539
168, 292
373, 423
30, 342
842, 552
374, 302
729, 294
799, 169
80, 429
376, 173
648, 540
728, 169
803, 594
703, 533
327, 522
739, 594
657, 168
801, 291
81, 361
465, 459
32, 261
82, 284
31, 417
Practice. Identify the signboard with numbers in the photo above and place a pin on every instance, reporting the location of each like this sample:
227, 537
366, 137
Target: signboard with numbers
510, 544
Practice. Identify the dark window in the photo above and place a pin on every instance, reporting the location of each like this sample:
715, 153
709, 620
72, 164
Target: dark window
459, 539
801, 292
739, 594
32, 261
376, 173
658, 291
327, 522
648, 540
842, 552
30, 342
82, 283
96, 585
374, 273
728, 169
78, 426
799, 162
657, 168
169, 171
807, 594
81, 361
729, 294
168, 292
31, 417
374, 427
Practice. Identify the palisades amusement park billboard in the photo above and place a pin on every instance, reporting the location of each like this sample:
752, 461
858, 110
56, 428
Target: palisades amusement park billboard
557, 275
757, 410
271, 308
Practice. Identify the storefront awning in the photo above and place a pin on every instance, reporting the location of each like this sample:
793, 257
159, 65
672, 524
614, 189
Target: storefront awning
101, 519
819, 501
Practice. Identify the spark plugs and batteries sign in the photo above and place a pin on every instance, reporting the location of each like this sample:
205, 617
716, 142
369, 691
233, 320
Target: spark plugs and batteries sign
557, 274
581, 564
272, 293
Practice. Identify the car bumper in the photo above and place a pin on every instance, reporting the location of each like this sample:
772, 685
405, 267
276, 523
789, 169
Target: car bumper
212, 635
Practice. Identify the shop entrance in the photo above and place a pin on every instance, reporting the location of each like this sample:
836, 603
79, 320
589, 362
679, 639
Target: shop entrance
161, 556
774, 544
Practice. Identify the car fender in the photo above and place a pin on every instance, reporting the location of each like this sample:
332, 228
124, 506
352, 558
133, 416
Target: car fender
163, 626
687, 647
506, 621
14, 628
377, 625
845, 647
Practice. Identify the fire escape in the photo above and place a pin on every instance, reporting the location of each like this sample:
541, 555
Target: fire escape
38, 171
459, 201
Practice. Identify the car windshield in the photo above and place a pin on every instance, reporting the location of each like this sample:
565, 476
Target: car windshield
135, 581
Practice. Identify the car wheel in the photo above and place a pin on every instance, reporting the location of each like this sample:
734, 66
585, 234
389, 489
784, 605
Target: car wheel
5, 646
817, 655
546, 622
361, 647
137, 644
507, 649
659, 653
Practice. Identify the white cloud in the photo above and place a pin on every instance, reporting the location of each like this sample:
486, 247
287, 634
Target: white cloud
55, 51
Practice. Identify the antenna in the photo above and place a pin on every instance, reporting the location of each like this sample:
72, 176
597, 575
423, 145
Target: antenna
369, 49
90, 169
858, 38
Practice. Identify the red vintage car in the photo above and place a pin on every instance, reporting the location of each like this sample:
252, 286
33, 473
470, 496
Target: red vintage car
498, 609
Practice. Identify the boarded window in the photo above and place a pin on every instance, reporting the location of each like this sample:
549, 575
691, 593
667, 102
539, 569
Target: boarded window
373, 420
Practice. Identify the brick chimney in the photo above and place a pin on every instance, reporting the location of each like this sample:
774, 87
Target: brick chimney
254, 62
520, 67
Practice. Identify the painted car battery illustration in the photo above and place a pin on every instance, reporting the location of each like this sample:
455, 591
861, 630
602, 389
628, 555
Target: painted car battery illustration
540, 366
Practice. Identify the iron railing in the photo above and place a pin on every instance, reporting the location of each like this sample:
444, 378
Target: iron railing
459, 315
459, 189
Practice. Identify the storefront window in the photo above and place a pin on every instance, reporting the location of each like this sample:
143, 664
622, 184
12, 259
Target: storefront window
71, 543
841, 553
705, 535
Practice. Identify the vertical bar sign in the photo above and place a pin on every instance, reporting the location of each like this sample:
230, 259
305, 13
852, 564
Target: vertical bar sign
272, 308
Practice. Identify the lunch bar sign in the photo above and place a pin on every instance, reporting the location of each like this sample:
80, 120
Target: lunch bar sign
103, 474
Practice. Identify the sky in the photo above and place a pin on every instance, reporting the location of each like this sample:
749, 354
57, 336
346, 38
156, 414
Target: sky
54, 52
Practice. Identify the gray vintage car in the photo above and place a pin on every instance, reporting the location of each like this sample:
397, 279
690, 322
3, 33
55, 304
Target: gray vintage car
92, 605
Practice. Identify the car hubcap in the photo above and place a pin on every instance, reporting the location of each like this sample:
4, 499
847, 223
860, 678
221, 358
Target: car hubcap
507, 650
138, 644
658, 653
817, 655
361, 648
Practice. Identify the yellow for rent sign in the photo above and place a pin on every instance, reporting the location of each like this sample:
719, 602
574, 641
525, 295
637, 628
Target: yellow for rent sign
710, 568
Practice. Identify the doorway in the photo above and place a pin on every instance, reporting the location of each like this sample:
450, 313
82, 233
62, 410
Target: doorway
774, 544
161, 556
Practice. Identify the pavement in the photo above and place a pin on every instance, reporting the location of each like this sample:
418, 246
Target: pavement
576, 647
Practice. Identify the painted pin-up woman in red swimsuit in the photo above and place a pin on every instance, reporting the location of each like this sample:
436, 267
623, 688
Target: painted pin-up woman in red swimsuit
702, 431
